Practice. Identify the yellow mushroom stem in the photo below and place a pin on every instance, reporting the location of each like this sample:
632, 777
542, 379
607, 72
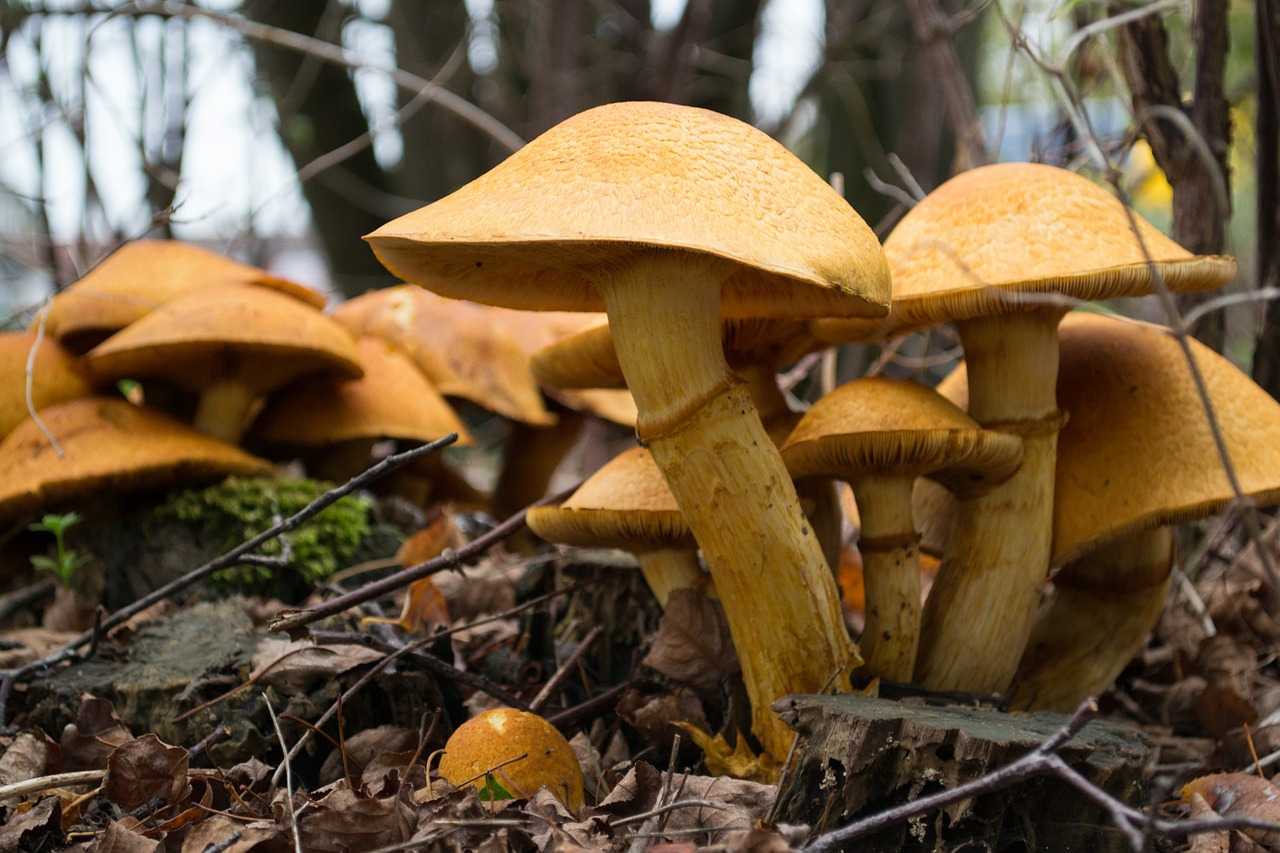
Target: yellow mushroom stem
725, 473
668, 569
223, 409
890, 551
983, 601
1101, 609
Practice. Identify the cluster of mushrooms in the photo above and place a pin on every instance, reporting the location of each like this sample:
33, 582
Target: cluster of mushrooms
231, 369
696, 256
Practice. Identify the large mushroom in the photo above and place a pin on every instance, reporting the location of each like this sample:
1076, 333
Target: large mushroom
229, 345
55, 376
880, 434
668, 217
1000, 252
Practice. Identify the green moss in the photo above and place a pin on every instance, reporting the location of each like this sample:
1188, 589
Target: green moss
222, 516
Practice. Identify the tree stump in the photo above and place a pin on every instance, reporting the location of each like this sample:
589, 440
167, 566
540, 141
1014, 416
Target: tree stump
858, 755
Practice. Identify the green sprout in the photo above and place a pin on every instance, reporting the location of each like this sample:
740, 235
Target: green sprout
67, 562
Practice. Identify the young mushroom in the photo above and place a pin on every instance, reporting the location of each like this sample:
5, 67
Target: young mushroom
880, 434
668, 218
230, 345
627, 505
1000, 252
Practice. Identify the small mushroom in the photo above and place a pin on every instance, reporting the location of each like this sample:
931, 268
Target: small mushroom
880, 434
229, 345
627, 505
516, 751
668, 217
143, 275
988, 251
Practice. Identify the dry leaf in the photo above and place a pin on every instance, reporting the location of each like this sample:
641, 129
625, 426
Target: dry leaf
146, 769
89, 741
693, 645
1241, 795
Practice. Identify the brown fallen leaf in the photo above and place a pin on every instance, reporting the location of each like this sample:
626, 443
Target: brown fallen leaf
1241, 795
146, 769
97, 731
26, 758
33, 828
692, 645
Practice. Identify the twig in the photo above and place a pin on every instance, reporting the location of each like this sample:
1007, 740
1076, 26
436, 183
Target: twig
288, 774
292, 621
230, 558
554, 682
333, 54
48, 783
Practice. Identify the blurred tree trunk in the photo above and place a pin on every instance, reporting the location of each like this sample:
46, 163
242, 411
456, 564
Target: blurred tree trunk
319, 113
1266, 358
1201, 190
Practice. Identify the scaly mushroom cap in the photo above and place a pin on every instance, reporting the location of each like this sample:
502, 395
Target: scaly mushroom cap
626, 504
392, 400
463, 348
1012, 228
142, 275
110, 447
488, 743
883, 425
1137, 452
55, 377
635, 176
261, 338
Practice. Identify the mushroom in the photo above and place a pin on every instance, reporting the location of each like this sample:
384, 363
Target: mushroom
519, 751
880, 434
230, 345
142, 275
988, 251
108, 447
1136, 455
668, 217
334, 422
55, 376
754, 349
627, 505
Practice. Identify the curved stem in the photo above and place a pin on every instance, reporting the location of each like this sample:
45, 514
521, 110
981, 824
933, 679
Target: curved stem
669, 569
891, 575
223, 410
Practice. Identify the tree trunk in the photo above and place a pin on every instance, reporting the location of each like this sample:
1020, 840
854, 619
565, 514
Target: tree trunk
1266, 358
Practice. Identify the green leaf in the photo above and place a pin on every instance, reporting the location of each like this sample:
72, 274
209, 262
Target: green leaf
492, 791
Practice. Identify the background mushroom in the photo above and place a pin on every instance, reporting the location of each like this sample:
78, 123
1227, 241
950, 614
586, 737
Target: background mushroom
880, 434
55, 376
230, 346
667, 217
988, 251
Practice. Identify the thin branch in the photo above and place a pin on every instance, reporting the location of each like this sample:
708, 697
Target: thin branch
335, 55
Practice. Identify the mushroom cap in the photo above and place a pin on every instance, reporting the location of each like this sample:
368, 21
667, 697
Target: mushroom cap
143, 274
497, 736
466, 350
392, 400
630, 177
626, 504
587, 358
55, 377
1137, 451
257, 336
970, 247
110, 446
887, 426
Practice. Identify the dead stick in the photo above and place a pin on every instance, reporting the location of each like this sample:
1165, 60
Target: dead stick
294, 620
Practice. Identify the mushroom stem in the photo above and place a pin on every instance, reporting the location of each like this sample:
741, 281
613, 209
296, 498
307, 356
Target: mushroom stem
669, 569
982, 604
891, 574
725, 473
1101, 608
223, 410
531, 456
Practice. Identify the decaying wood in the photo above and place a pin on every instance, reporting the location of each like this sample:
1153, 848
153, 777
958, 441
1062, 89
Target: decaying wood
859, 755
